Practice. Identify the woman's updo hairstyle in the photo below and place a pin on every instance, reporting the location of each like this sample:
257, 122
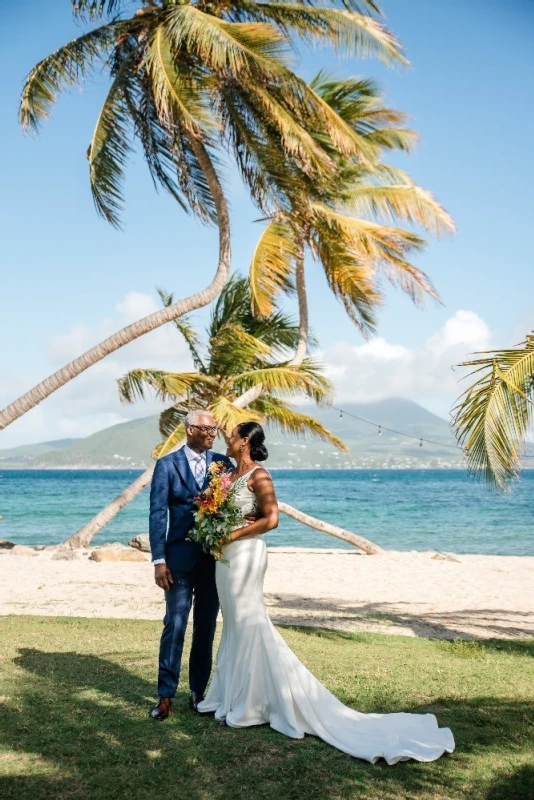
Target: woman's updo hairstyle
256, 437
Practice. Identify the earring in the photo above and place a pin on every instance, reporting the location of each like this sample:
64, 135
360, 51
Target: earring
242, 447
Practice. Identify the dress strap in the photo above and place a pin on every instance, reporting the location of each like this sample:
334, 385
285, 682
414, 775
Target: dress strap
249, 473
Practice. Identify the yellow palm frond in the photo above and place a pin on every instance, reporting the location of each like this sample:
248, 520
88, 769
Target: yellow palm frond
165, 385
352, 32
289, 380
271, 266
296, 141
496, 413
228, 415
238, 47
170, 442
176, 94
408, 202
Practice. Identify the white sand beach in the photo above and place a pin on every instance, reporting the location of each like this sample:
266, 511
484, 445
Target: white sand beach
407, 593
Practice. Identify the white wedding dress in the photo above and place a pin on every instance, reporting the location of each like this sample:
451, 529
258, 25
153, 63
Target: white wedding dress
259, 680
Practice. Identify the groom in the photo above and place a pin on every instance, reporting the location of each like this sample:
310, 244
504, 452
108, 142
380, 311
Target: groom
182, 569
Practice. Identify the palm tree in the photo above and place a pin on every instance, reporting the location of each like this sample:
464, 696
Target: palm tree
495, 414
346, 220
280, 252
187, 77
241, 353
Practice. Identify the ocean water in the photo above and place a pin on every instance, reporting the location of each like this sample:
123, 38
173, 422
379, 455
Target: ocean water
398, 509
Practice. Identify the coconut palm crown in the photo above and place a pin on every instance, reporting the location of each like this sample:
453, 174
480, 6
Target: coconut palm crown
347, 221
494, 415
183, 72
241, 352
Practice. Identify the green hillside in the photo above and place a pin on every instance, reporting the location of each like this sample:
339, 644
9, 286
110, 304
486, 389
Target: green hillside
129, 444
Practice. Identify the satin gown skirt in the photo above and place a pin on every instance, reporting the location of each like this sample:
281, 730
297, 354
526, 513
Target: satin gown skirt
258, 679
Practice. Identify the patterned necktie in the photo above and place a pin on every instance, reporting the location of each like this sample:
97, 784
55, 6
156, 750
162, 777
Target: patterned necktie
198, 469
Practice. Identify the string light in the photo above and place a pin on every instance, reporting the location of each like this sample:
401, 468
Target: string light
381, 428
420, 439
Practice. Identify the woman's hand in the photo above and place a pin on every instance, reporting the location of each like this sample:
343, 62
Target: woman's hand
225, 540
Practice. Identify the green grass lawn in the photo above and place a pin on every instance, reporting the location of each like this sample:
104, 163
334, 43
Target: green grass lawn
76, 695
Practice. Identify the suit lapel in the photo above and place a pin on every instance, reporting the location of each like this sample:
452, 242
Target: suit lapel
182, 465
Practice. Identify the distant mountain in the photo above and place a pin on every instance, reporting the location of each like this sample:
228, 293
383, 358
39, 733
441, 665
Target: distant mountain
30, 451
129, 444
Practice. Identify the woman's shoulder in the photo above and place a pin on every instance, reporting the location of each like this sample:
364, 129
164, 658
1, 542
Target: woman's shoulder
260, 473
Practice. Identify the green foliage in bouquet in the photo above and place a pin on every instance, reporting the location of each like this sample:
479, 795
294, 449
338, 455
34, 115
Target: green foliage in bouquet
216, 514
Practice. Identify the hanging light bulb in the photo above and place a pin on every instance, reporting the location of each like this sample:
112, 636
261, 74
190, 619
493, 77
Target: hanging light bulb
340, 414
421, 443
380, 430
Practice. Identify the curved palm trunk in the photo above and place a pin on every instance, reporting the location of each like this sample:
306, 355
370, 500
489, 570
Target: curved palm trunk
147, 324
300, 280
325, 527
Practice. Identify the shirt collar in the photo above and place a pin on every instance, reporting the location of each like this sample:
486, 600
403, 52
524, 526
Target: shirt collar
191, 455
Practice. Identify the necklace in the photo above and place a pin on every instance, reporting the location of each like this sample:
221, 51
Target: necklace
247, 464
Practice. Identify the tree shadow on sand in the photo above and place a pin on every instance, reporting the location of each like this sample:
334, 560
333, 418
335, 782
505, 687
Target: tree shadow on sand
337, 614
86, 719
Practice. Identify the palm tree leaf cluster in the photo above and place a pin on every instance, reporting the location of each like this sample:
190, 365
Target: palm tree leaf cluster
214, 72
494, 417
349, 219
241, 352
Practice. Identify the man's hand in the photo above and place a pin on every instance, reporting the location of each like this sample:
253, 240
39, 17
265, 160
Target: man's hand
163, 577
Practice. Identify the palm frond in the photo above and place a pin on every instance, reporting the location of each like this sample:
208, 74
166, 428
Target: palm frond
235, 350
380, 247
170, 442
402, 139
408, 202
350, 31
66, 67
110, 147
289, 380
97, 8
177, 93
174, 416
495, 414
228, 415
350, 277
185, 327
164, 385
239, 48
271, 266
295, 140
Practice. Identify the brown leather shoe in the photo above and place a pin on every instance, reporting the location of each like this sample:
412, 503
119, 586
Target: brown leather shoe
194, 699
163, 709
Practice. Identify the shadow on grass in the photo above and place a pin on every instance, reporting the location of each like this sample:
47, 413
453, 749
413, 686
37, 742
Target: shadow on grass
486, 622
519, 784
85, 719
520, 647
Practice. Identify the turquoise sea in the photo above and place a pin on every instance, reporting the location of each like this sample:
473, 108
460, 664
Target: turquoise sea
398, 509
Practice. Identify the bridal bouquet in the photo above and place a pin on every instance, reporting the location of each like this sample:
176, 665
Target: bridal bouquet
215, 512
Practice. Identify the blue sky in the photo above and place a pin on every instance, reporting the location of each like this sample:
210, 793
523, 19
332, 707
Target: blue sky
69, 278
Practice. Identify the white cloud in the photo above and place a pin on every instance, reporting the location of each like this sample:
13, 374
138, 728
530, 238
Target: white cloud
366, 372
378, 369
90, 402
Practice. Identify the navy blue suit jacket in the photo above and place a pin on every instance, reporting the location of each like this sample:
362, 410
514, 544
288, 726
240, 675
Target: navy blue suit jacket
171, 509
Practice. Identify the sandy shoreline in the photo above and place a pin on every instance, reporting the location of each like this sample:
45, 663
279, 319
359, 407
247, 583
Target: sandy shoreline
412, 593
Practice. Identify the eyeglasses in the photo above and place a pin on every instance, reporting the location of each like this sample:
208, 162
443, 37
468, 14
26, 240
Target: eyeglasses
206, 429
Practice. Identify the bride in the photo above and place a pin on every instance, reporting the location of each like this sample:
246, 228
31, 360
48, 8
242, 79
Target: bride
258, 679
